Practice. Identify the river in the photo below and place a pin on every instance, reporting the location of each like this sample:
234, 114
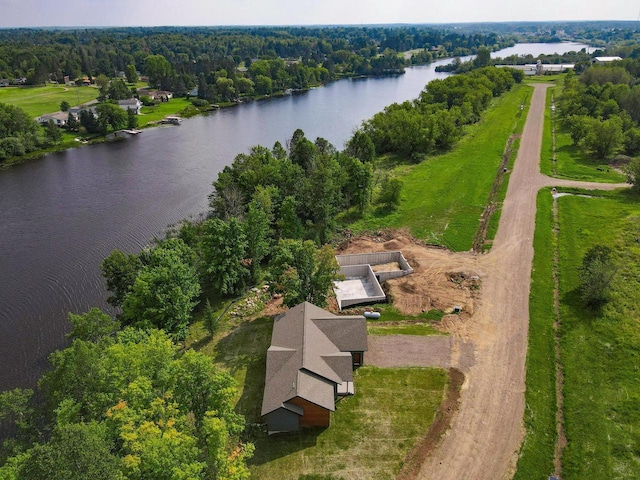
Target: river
60, 216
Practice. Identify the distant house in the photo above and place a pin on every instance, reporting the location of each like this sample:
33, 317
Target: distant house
604, 60
5, 82
58, 118
160, 95
132, 104
310, 364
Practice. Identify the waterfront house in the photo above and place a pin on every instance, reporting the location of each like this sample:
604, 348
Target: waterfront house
310, 365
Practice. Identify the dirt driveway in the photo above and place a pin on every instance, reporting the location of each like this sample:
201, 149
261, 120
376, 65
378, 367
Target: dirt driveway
489, 343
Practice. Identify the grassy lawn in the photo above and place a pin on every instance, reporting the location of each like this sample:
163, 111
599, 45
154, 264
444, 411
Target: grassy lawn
444, 196
571, 161
601, 351
536, 455
38, 100
161, 110
370, 435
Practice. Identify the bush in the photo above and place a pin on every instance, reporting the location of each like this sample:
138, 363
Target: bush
200, 103
632, 170
596, 274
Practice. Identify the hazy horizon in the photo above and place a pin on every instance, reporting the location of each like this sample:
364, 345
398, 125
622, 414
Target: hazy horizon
151, 13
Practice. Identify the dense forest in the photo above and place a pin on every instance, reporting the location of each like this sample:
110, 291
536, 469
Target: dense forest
179, 58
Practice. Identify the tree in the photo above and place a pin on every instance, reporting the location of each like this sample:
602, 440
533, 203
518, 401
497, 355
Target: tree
390, 192
92, 325
131, 73
165, 290
483, 58
132, 119
64, 106
120, 271
605, 137
136, 406
257, 228
302, 273
210, 319
89, 121
159, 71
52, 133
102, 81
118, 90
75, 452
288, 223
110, 115
632, 170
72, 123
263, 85
223, 248
361, 146
596, 274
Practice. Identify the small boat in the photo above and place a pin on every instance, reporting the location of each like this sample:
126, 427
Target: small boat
171, 120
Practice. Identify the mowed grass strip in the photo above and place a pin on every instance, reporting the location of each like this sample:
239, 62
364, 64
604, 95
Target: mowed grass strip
444, 196
403, 328
36, 101
370, 434
537, 451
601, 351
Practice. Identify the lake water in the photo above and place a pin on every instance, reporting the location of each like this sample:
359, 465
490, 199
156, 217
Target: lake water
60, 216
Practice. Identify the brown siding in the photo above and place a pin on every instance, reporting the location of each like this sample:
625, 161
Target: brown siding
314, 415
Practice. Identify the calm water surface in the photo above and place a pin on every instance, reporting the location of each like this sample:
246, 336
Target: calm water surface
60, 216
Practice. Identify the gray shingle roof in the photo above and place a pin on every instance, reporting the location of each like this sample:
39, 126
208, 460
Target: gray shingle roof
309, 354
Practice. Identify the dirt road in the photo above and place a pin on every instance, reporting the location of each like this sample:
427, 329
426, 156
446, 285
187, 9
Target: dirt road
485, 436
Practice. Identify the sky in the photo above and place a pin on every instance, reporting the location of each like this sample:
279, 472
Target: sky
39, 13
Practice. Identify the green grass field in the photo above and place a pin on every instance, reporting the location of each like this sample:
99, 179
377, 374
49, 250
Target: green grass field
38, 100
444, 196
600, 351
536, 455
371, 432
571, 161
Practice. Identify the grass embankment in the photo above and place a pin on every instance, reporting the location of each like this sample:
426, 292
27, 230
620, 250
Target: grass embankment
600, 351
36, 101
571, 161
536, 455
444, 196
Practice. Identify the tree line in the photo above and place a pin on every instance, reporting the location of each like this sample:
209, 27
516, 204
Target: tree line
180, 58
435, 121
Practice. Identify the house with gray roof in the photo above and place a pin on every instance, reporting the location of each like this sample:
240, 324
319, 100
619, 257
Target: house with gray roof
310, 364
